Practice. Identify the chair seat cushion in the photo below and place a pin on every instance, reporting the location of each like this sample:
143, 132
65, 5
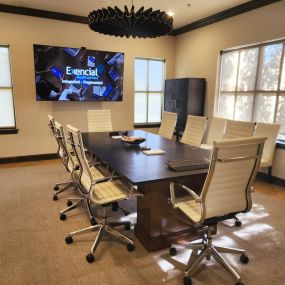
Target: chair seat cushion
107, 192
96, 173
190, 208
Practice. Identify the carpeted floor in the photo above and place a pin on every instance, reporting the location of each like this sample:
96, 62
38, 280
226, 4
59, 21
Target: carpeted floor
33, 250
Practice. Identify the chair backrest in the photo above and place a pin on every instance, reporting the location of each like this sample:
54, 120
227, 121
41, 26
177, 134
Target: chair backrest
69, 161
271, 132
167, 125
60, 150
86, 178
99, 121
194, 130
232, 171
238, 129
51, 122
216, 130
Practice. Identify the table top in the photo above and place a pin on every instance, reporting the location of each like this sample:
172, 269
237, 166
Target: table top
130, 162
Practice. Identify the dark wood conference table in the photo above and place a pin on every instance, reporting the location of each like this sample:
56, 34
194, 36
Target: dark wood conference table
158, 224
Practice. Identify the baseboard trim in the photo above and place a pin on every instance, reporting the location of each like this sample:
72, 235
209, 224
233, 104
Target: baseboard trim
26, 158
275, 180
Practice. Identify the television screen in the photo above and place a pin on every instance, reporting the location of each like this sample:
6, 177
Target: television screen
78, 74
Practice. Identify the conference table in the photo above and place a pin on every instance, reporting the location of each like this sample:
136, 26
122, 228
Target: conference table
158, 224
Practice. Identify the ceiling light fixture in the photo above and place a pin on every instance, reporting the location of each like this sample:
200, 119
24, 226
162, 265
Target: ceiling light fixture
142, 23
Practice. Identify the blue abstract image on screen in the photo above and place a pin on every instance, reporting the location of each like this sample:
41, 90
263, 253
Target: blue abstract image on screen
78, 74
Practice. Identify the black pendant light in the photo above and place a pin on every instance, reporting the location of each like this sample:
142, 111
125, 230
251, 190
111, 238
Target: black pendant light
130, 23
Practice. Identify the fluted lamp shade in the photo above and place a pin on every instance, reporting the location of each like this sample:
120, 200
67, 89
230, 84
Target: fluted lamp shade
128, 23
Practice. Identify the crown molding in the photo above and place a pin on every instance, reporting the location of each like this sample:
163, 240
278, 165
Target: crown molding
237, 10
43, 14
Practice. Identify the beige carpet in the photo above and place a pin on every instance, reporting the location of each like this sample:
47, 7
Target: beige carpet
33, 251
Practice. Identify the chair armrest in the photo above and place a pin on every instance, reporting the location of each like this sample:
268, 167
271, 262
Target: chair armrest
191, 192
94, 163
188, 190
100, 180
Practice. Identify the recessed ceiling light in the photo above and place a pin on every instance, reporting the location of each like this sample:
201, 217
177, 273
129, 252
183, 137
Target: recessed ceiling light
170, 13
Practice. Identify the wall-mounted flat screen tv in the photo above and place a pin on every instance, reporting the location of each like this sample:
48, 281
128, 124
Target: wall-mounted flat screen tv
78, 74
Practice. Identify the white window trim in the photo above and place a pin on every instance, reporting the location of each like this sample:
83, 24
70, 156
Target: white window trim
9, 129
278, 92
147, 92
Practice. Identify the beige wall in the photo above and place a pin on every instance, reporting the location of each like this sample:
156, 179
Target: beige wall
197, 52
31, 116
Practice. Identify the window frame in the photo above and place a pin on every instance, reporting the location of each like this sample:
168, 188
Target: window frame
5, 129
148, 92
278, 92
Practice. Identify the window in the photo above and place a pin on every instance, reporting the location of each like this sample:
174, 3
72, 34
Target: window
252, 84
7, 116
149, 85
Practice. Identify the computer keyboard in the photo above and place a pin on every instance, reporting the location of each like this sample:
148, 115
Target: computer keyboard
188, 164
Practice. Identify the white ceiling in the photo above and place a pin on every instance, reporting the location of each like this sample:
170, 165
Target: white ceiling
184, 15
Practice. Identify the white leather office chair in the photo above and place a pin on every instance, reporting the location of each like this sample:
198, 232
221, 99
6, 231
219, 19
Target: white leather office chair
238, 129
216, 132
74, 168
79, 179
61, 152
271, 132
101, 193
167, 125
99, 121
226, 192
194, 130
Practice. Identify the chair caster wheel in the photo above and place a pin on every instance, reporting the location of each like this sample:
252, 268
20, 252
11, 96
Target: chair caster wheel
69, 240
130, 247
238, 223
127, 227
244, 259
69, 203
62, 217
93, 222
187, 280
55, 198
172, 251
56, 188
90, 258
239, 283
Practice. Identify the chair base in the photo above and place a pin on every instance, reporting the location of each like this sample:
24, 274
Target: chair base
103, 229
206, 249
76, 203
58, 190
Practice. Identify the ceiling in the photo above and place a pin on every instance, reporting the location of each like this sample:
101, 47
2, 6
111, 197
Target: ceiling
183, 14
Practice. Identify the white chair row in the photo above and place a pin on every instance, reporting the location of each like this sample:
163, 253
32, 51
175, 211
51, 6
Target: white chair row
92, 186
220, 128
228, 129
194, 130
